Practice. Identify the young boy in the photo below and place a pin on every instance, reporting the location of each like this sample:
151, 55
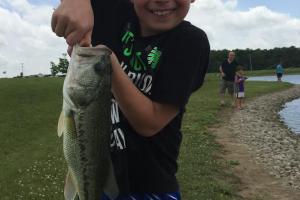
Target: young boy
240, 88
159, 60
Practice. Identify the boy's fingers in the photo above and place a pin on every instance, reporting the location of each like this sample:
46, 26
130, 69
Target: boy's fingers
58, 23
70, 49
53, 21
60, 28
74, 38
86, 40
70, 29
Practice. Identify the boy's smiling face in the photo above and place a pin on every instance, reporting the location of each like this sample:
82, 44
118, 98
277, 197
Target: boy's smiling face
157, 16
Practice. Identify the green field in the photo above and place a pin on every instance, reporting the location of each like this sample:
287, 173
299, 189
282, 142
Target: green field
31, 160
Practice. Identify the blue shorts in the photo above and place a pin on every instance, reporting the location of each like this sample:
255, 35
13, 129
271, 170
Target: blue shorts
279, 75
148, 196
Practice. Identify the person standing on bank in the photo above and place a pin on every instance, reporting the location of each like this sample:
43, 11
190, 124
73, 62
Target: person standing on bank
240, 86
279, 71
158, 61
227, 70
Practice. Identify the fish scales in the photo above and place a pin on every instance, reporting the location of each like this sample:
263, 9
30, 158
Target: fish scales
85, 122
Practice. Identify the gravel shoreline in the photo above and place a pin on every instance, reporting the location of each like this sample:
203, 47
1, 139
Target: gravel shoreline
270, 142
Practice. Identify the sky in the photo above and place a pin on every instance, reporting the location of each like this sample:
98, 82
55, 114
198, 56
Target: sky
290, 7
26, 36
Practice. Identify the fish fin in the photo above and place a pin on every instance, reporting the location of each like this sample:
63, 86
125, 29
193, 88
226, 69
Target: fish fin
69, 126
61, 123
70, 192
111, 188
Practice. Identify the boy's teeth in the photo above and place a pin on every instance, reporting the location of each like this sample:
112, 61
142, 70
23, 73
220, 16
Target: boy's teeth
162, 13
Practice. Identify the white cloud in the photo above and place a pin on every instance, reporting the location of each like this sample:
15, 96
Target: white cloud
26, 37
258, 27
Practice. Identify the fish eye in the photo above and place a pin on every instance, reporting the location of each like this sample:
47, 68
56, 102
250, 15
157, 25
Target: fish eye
99, 66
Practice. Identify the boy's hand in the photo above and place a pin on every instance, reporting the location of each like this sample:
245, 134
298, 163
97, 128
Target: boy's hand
74, 20
70, 49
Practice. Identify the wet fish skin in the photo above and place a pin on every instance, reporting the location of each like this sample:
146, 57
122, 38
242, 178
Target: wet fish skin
85, 122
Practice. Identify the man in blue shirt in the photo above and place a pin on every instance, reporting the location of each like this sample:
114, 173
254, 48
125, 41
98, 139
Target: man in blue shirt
279, 71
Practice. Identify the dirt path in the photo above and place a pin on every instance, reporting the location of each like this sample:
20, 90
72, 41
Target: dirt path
267, 153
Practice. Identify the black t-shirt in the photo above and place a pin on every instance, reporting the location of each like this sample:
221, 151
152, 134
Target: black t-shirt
167, 68
229, 70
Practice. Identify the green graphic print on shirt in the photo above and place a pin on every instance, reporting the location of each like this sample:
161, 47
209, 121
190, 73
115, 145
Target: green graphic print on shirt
139, 61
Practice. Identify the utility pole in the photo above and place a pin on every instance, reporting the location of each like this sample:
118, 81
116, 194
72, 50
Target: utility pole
250, 59
22, 69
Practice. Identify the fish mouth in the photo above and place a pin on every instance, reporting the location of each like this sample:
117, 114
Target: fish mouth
162, 12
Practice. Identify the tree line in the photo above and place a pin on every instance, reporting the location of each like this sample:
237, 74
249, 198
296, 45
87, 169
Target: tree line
258, 58
60, 68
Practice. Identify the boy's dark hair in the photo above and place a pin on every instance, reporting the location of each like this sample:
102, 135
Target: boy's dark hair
240, 67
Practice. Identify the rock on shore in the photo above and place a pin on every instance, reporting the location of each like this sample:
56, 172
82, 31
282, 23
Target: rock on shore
272, 143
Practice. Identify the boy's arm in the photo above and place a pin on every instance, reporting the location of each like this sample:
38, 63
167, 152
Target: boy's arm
74, 20
145, 116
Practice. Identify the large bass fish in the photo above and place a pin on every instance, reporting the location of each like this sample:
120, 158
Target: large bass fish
85, 123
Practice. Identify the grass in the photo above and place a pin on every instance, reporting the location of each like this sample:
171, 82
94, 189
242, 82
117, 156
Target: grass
32, 165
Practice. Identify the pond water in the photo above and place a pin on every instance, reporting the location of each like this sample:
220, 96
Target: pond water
295, 79
290, 113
